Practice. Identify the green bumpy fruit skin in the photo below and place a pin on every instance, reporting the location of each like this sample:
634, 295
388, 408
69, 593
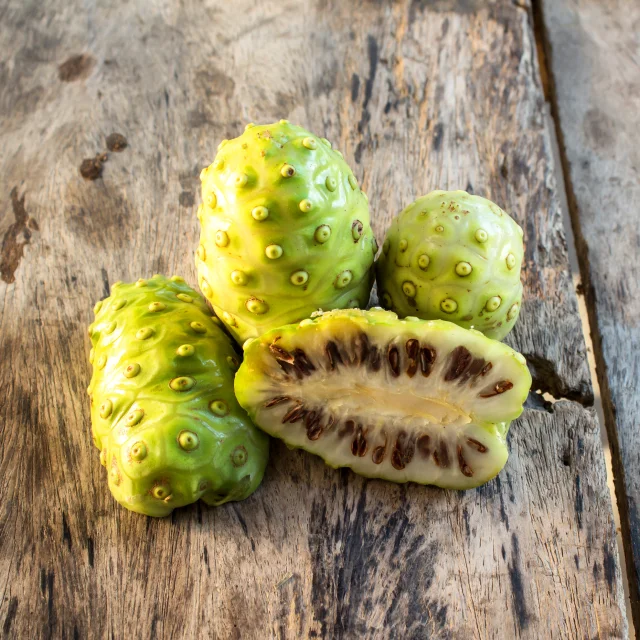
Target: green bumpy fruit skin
164, 414
457, 257
284, 230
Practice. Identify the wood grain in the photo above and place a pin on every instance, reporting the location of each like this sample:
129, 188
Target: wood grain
418, 95
594, 56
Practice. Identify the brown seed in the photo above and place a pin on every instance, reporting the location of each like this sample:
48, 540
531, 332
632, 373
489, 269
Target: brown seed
348, 429
278, 400
423, 445
330, 423
487, 367
359, 444
280, 354
315, 431
393, 356
302, 362
313, 424
310, 418
396, 460
286, 361
474, 370
403, 451
497, 389
427, 360
441, 455
361, 348
291, 369
413, 350
460, 359
478, 446
333, 355
378, 455
294, 414
464, 467
375, 361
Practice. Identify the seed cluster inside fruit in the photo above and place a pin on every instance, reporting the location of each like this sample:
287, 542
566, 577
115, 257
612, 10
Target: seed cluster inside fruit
285, 230
319, 415
422, 401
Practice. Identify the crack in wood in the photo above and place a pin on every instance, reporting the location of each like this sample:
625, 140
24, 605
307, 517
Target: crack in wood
15, 238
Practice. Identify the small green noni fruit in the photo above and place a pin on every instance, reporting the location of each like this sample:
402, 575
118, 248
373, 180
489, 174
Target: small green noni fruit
285, 230
453, 256
163, 410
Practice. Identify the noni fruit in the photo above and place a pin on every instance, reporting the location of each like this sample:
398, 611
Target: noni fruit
285, 230
163, 410
453, 256
406, 400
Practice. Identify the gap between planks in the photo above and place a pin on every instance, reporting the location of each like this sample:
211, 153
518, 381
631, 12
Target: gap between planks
563, 179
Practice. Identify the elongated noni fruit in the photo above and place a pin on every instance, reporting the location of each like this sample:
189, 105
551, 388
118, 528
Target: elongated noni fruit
164, 414
404, 400
285, 230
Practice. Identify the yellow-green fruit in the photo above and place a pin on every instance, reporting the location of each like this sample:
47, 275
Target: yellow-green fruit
285, 230
454, 256
162, 368
406, 400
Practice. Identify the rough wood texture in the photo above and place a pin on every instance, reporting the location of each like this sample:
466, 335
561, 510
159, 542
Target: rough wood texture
418, 95
594, 57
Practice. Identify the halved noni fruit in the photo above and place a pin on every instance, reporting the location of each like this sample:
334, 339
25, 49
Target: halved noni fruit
404, 400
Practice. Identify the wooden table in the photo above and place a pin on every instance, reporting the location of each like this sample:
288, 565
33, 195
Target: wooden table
594, 51
418, 95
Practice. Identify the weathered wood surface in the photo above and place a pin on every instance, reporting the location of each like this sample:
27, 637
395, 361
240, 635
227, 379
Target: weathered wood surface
418, 95
594, 57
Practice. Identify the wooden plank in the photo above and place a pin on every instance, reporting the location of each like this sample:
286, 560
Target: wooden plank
418, 95
594, 57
